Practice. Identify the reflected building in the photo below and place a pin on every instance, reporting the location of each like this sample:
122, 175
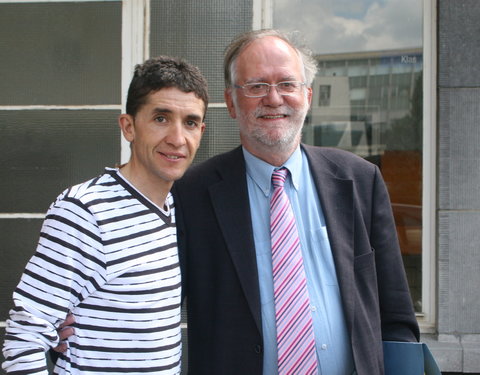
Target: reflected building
370, 103
361, 98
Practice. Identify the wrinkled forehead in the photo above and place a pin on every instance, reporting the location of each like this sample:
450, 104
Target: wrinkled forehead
268, 59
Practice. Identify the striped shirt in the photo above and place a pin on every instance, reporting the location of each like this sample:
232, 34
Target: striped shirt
109, 255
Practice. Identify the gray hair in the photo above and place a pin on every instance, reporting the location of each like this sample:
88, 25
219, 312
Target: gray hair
239, 43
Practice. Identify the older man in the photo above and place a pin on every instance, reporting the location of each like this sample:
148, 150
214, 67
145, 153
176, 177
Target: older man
249, 310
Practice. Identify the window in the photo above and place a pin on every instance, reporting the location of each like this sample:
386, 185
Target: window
370, 101
324, 92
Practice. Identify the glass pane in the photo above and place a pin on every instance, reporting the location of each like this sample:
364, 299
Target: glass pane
368, 96
18, 238
44, 152
199, 31
60, 53
221, 134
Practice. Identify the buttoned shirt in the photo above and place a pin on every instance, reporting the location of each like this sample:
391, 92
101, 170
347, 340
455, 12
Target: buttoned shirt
331, 337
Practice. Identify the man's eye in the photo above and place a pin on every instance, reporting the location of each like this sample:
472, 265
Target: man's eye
256, 88
160, 119
288, 85
191, 123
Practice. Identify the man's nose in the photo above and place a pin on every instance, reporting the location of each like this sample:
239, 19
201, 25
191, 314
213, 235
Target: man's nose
176, 136
273, 97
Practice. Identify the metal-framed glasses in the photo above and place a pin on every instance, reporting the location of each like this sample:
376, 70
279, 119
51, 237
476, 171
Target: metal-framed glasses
259, 89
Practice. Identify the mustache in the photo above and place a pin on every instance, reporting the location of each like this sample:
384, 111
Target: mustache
284, 110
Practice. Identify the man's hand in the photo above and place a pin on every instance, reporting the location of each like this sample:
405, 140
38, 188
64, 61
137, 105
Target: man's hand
64, 332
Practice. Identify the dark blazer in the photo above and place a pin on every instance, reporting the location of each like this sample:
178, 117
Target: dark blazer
220, 273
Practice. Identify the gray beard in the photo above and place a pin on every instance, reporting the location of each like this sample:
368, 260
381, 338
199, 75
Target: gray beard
283, 143
287, 141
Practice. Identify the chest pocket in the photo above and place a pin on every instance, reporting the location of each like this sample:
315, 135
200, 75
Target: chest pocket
318, 258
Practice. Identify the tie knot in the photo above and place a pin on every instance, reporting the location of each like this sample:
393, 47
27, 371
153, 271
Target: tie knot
279, 176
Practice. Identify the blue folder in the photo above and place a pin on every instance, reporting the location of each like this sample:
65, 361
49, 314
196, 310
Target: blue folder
408, 358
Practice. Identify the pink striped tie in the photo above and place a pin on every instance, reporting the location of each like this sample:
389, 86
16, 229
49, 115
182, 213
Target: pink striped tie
295, 338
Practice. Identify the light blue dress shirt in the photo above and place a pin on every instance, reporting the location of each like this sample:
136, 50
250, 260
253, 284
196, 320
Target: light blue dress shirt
331, 336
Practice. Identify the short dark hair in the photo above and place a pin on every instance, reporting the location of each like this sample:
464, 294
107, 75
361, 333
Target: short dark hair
164, 72
241, 41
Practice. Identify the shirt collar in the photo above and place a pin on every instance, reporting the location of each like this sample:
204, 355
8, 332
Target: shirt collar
261, 172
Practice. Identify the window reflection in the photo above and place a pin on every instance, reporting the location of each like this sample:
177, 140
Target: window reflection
368, 98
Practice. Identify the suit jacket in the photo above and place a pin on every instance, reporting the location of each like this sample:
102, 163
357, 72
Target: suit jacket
220, 272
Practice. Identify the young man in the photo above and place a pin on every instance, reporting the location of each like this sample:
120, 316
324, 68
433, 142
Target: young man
107, 251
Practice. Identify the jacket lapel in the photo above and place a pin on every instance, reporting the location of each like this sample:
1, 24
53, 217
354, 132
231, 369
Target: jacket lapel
230, 200
336, 199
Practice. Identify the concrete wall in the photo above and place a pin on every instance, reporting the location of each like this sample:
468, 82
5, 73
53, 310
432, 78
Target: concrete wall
457, 347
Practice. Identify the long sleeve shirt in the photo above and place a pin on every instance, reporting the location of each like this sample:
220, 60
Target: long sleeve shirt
331, 336
108, 255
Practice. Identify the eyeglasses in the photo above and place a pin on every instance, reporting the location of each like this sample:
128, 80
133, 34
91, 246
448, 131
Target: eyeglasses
259, 89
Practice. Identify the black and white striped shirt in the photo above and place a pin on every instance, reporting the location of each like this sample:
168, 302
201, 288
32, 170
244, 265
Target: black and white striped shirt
109, 255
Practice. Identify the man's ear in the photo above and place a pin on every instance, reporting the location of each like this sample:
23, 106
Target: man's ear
309, 95
228, 95
126, 123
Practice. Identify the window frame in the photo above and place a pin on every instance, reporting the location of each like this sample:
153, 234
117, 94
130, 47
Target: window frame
427, 319
135, 38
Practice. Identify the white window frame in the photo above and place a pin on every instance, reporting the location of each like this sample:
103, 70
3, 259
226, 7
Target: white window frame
135, 47
427, 320
263, 18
